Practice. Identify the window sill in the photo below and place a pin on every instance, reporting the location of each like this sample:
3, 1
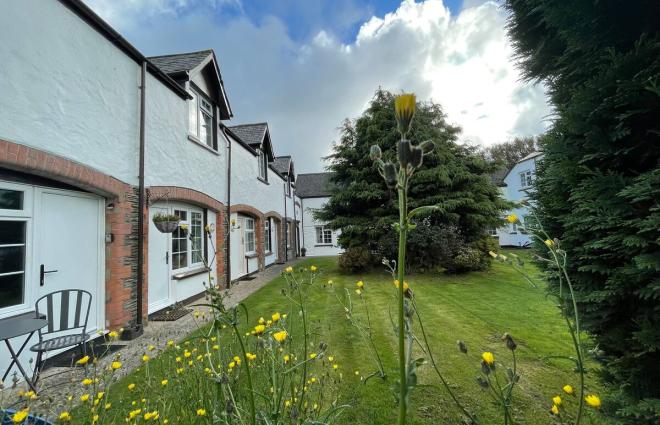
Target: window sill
191, 273
323, 244
196, 141
251, 255
268, 253
264, 181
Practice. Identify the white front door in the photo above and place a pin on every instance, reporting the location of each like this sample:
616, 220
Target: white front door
158, 286
69, 245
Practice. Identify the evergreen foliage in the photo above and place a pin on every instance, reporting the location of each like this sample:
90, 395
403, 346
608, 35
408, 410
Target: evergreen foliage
507, 154
453, 177
599, 183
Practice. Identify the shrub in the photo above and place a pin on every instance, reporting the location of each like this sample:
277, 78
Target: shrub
356, 259
467, 259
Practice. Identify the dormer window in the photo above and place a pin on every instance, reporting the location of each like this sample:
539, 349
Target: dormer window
201, 120
263, 164
288, 186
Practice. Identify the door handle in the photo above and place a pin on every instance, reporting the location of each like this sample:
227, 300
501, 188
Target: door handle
167, 257
42, 274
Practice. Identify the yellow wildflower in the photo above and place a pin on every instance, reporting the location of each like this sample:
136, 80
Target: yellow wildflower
335, 366
262, 321
289, 269
131, 387
113, 334
280, 336
358, 291
488, 358
170, 343
216, 347
201, 412
83, 361
556, 400
259, 329
287, 358
231, 365
313, 269
405, 284
163, 382
107, 406
20, 416
115, 365
100, 395
151, 348
312, 356
250, 356
568, 389
331, 358
65, 416
511, 218
360, 284
87, 381
330, 282
554, 409
549, 243
84, 397
145, 358
593, 400
404, 110
276, 317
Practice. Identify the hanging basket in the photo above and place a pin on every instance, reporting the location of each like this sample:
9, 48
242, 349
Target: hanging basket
166, 223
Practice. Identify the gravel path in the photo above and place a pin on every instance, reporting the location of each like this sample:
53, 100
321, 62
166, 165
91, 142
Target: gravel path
59, 382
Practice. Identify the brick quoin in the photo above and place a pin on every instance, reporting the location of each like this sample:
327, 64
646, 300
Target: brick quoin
259, 229
121, 220
277, 218
194, 197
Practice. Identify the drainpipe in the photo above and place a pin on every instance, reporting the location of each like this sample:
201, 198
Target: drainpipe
295, 225
302, 220
141, 205
228, 213
286, 226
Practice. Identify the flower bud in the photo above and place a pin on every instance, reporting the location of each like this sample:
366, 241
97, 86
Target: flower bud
510, 343
485, 367
389, 172
375, 152
416, 157
427, 147
404, 110
404, 152
482, 382
462, 347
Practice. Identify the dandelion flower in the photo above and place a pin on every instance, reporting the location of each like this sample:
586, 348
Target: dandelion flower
201, 412
313, 269
280, 336
287, 358
115, 365
568, 389
259, 329
131, 387
65, 416
360, 284
554, 409
151, 348
113, 334
556, 400
593, 400
107, 406
163, 382
87, 381
84, 397
488, 358
83, 361
20, 416
289, 269
276, 317
511, 218
312, 356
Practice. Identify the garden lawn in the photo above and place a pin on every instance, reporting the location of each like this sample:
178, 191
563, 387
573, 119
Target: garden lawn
477, 308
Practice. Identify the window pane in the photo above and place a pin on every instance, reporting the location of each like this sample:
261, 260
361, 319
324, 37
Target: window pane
319, 234
196, 234
192, 115
12, 232
11, 199
12, 259
206, 129
11, 290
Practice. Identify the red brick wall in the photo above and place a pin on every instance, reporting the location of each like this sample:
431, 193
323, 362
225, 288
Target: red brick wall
121, 221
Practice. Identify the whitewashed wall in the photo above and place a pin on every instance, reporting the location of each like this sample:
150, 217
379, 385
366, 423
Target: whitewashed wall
510, 235
171, 159
65, 89
309, 230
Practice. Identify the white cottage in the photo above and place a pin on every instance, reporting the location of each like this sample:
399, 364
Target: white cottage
317, 238
515, 186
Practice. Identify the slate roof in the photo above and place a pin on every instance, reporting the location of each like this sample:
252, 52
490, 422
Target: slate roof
498, 177
314, 185
252, 134
281, 164
531, 155
174, 64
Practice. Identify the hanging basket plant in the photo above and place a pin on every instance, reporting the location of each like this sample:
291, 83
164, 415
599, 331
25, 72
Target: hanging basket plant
166, 223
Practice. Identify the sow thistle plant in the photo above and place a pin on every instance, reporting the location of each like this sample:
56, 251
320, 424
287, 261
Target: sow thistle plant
397, 177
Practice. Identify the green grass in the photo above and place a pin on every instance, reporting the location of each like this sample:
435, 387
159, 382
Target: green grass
476, 308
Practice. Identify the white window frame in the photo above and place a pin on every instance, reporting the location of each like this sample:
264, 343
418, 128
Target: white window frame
324, 234
288, 186
526, 179
261, 158
189, 245
199, 107
250, 236
268, 241
23, 215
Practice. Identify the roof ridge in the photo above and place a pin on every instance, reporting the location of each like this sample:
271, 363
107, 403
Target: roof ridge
250, 124
181, 54
312, 174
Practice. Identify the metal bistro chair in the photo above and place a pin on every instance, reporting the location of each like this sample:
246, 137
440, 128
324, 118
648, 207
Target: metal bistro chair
73, 314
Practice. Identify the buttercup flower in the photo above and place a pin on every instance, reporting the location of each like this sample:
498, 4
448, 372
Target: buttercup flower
280, 336
113, 334
84, 397
488, 358
554, 409
556, 400
131, 387
201, 412
87, 381
568, 389
287, 358
20, 416
83, 361
593, 400
65, 416
405, 284
115, 365
511, 218
360, 284
145, 358
313, 269
276, 317
259, 329
163, 382
289, 269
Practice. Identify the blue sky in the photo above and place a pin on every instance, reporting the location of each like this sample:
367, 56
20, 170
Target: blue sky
306, 65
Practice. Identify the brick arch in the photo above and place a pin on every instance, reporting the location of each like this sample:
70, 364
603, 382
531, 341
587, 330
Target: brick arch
195, 197
120, 220
259, 228
184, 194
281, 243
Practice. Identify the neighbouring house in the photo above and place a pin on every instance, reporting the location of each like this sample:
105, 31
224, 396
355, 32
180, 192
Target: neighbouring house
95, 139
317, 238
515, 185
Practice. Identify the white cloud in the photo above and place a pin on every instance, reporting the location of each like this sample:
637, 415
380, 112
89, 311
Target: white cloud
304, 91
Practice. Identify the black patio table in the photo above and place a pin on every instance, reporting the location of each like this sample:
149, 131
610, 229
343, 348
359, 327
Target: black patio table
17, 326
